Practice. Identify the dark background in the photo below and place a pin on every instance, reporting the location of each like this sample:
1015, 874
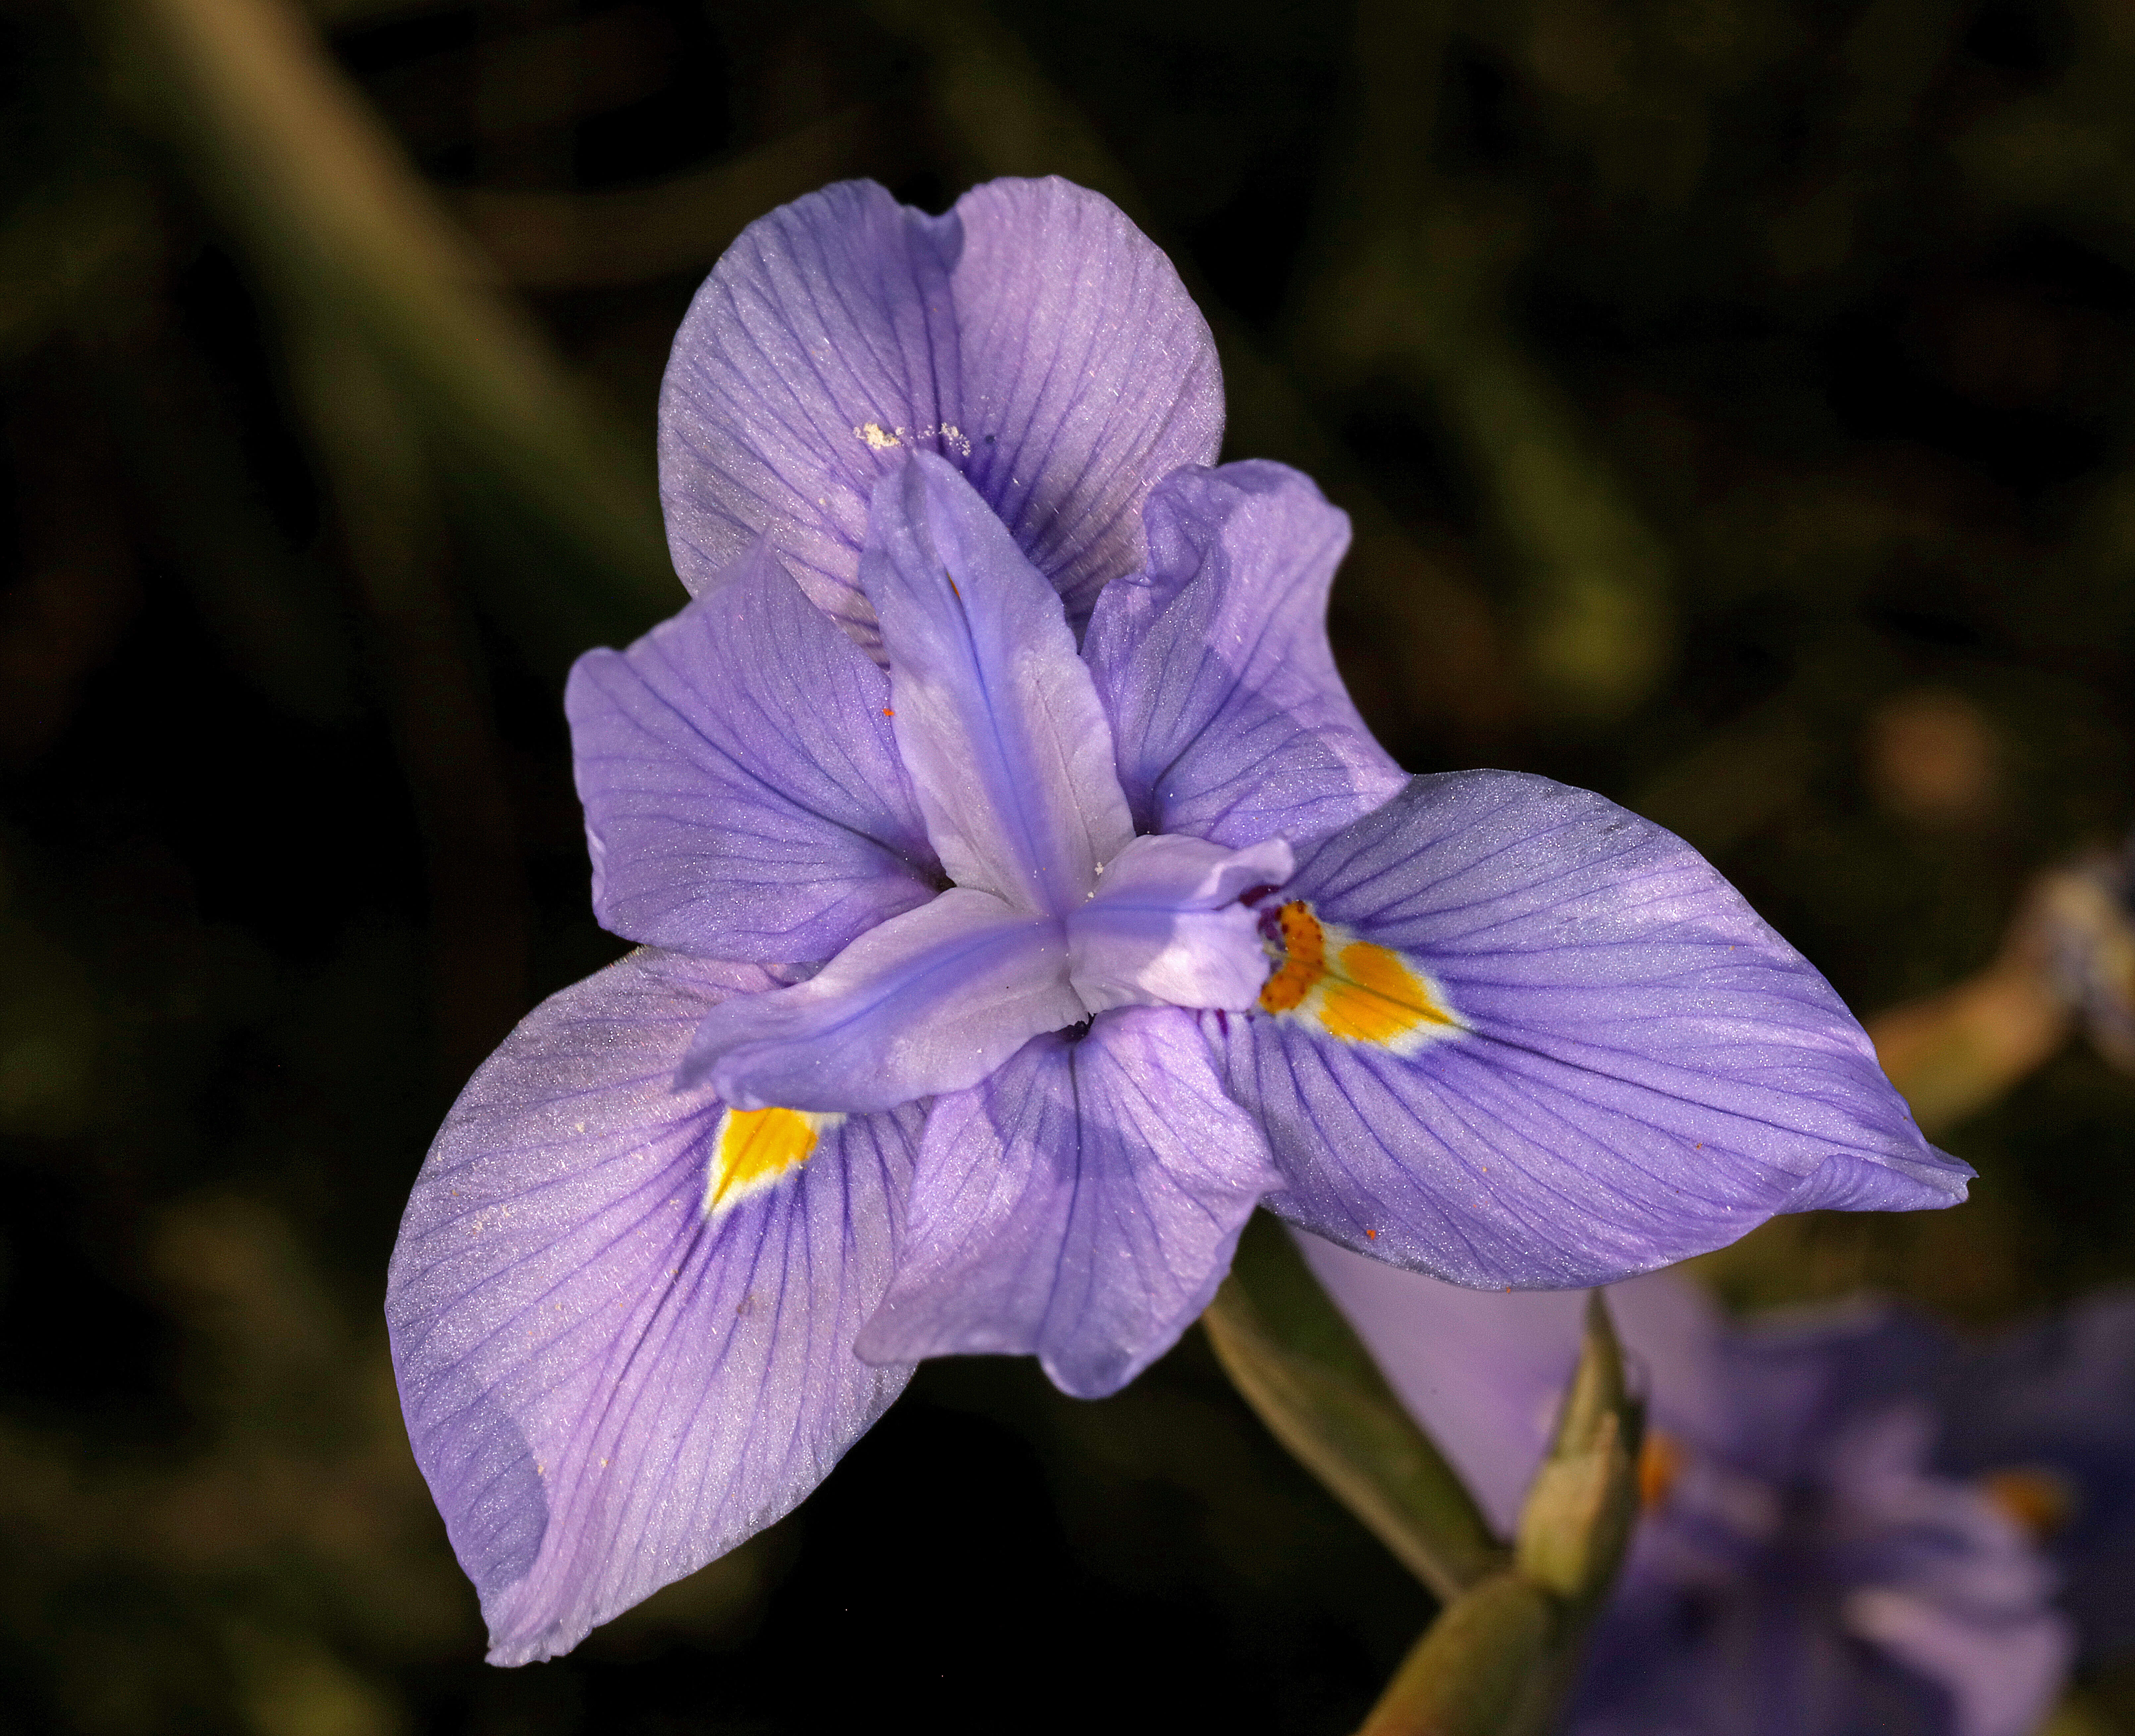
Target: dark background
1734, 400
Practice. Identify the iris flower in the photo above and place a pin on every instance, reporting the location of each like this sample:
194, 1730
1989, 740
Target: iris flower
1021, 901
1804, 1566
2041, 1415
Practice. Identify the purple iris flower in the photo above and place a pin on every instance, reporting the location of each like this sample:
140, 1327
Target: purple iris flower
1803, 1567
2046, 1414
2041, 1415
1022, 902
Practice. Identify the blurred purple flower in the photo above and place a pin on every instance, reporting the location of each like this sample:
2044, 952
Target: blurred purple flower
951, 813
2040, 1416
1804, 1567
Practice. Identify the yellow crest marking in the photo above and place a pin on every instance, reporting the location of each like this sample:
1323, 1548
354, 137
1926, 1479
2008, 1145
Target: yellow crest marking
1352, 989
754, 1148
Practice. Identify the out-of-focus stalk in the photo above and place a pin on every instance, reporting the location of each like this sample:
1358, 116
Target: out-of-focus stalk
331, 213
2069, 958
479, 918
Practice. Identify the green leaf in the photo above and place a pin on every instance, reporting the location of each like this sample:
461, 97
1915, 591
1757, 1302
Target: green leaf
1288, 1350
1485, 1668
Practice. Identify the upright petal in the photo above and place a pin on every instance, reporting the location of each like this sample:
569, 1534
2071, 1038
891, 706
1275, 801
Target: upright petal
1088, 375
623, 1321
743, 795
932, 1001
1165, 926
1523, 1037
996, 718
1230, 720
822, 347
1033, 335
1083, 1205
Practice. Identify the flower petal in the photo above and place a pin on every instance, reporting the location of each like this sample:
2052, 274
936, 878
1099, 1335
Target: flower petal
821, 347
1485, 1371
1230, 720
1525, 1038
932, 1001
1081, 1204
1033, 335
1088, 375
743, 795
996, 718
616, 1367
1165, 927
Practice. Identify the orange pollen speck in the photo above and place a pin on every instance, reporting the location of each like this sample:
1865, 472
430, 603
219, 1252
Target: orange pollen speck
2039, 1499
888, 711
1304, 962
1661, 1460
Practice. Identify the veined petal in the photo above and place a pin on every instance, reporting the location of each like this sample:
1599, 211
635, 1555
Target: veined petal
932, 1001
1230, 718
1031, 336
1083, 1205
743, 792
822, 347
996, 718
1526, 1038
1088, 375
624, 1334
1165, 927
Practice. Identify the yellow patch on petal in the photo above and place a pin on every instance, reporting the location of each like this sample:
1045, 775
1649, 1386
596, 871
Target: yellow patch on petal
1351, 989
754, 1148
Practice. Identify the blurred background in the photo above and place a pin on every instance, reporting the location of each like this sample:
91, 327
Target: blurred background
1736, 402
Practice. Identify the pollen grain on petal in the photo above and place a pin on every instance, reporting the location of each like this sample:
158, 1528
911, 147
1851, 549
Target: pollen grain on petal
2039, 1499
1661, 1460
1354, 990
754, 1148
878, 437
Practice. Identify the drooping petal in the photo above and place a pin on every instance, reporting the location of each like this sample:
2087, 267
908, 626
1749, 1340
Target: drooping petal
1165, 927
743, 795
1524, 1037
1031, 336
622, 1320
1230, 720
930, 1001
1954, 1590
1083, 1204
996, 718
